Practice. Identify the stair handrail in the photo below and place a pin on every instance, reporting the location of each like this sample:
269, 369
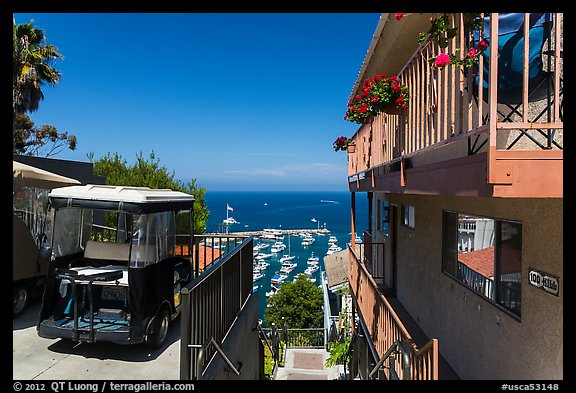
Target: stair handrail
202, 351
394, 348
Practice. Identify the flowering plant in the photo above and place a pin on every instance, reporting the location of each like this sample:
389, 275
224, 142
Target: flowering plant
341, 143
440, 32
378, 94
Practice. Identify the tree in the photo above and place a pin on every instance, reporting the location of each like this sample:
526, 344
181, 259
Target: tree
299, 302
149, 173
46, 141
32, 59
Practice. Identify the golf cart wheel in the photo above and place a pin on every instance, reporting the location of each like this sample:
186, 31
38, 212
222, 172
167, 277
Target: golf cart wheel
159, 330
20, 300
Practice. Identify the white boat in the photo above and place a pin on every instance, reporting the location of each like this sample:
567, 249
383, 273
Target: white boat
287, 258
262, 256
287, 267
278, 247
257, 276
261, 246
332, 239
278, 278
308, 240
272, 291
311, 279
255, 288
230, 221
311, 269
313, 259
262, 264
333, 248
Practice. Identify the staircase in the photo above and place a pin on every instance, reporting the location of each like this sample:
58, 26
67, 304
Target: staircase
308, 364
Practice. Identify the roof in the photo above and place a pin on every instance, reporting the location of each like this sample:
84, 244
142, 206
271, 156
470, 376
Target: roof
481, 261
126, 198
30, 176
336, 266
392, 45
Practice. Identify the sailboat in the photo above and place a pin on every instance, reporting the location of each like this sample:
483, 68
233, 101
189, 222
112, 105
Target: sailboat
287, 257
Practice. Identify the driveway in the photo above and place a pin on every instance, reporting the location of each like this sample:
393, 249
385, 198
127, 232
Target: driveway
34, 357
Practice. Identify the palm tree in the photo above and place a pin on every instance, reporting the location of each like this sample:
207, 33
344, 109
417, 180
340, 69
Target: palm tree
32, 68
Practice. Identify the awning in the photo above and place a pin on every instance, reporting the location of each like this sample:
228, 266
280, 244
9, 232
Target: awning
29, 176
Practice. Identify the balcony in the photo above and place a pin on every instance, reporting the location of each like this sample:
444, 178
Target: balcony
464, 138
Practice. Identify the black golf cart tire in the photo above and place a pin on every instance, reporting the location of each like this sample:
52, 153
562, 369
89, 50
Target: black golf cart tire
21, 298
159, 327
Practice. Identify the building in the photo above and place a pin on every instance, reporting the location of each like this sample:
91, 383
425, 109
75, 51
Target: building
465, 190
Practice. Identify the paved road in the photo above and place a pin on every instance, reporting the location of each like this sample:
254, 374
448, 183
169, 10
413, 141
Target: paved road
34, 357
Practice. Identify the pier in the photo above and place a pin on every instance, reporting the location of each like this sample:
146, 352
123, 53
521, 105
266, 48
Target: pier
259, 233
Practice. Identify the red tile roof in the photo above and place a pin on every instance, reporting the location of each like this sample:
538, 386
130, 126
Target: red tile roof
481, 261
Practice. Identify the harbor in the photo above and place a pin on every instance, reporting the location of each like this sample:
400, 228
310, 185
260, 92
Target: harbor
280, 232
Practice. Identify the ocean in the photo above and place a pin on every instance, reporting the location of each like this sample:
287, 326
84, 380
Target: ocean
288, 210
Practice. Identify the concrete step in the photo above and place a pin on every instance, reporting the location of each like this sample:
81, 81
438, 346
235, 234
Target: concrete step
308, 364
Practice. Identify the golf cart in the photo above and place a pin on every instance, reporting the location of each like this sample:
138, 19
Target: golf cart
118, 282
31, 227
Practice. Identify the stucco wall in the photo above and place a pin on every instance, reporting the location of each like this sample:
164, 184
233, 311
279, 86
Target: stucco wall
479, 339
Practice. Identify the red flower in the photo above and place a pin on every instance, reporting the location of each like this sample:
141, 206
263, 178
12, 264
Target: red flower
349, 103
442, 59
482, 45
357, 97
396, 87
374, 99
400, 101
472, 53
399, 15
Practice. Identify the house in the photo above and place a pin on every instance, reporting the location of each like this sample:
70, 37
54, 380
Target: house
465, 190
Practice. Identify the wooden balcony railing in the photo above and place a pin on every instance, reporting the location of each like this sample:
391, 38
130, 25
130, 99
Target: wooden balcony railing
385, 328
448, 105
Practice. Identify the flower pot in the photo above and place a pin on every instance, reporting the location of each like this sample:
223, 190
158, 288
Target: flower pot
392, 110
351, 148
368, 120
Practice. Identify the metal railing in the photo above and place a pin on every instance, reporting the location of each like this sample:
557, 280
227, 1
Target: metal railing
202, 355
210, 304
206, 249
383, 325
271, 338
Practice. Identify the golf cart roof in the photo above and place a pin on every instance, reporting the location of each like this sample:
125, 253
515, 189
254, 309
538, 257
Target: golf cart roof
122, 198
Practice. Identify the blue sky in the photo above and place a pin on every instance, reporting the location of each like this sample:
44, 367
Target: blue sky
235, 101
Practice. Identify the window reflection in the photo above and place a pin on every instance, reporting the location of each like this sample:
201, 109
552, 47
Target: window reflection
475, 265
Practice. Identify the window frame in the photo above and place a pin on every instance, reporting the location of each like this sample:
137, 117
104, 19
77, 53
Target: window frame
497, 279
405, 212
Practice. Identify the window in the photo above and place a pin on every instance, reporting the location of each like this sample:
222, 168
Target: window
408, 216
385, 219
485, 255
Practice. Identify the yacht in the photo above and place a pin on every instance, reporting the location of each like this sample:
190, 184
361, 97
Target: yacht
272, 291
287, 267
308, 240
333, 248
262, 256
311, 279
278, 278
278, 247
313, 259
287, 258
332, 240
311, 269
257, 276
